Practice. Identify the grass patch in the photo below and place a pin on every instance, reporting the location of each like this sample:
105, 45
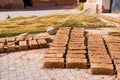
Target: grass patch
37, 24
81, 5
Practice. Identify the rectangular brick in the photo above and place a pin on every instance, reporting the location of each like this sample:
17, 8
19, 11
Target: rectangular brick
29, 37
33, 44
77, 52
76, 63
77, 48
53, 62
23, 45
100, 60
1, 47
2, 40
102, 69
10, 39
118, 75
42, 43
115, 56
54, 55
117, 67
58, 45
52, 51
58, 48
116, 61
99, 56
82, 56
11, 47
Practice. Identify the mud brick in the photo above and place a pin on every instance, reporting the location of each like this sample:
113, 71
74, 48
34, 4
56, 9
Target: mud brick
99, 56
76, 45
114, 52
117, 61
96, 53
53, 55
82, 56
42, 43
52, 51
77, 52
33, 44
100, 60
76, 42
23, 45
58, 45
1, 47
29, 37
2, 40
58, 48
115, 56
117, 67
77, 48
76, 63
44, 36
53, 62
10, 39
118, 75
102, 69
11, 47
20, 38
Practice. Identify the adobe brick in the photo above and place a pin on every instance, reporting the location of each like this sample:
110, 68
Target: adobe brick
54, 55
33, 44
11, 47
76, 63
100, 60
52, 51
77, 52
82, 56
2, 40
102, 69
10, 39
42, 43
58, 48
58, 45
1, 47
53, 62
23, 45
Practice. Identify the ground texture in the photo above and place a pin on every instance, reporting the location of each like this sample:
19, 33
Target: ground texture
28, 65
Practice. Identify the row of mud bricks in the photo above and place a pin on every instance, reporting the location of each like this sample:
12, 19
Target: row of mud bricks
72, 48
67, 50
12, 44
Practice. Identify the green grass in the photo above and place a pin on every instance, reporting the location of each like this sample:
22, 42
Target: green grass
37, 24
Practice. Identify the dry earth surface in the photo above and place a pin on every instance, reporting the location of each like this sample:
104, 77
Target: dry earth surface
27, 65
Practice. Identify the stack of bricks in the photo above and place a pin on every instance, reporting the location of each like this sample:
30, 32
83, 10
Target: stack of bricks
76, 54
113, 44
100, 61
21, 43
55, 57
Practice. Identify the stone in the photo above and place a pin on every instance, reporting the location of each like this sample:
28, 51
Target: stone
33, 44
42, 43
53, 62
23, 45
11, 47
102, 69
76, 63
